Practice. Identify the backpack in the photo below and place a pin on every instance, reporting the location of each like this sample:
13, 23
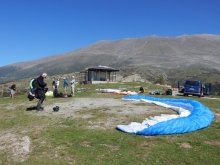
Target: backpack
32, 92
141, 90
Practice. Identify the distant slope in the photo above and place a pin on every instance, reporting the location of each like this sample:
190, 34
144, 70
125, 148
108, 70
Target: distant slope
165, 52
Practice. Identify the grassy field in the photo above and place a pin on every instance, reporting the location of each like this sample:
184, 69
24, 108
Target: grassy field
27, 137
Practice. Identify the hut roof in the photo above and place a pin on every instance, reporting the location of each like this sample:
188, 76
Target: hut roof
102, 68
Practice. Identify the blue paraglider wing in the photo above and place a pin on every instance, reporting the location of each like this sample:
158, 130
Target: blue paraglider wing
198, 117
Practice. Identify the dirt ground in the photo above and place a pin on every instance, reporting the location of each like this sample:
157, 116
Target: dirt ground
18, 146
111, 105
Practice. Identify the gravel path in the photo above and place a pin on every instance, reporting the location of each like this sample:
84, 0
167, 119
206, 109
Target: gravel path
19, 145
109, 105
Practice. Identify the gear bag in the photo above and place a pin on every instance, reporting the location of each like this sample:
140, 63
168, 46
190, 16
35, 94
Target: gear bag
32, 92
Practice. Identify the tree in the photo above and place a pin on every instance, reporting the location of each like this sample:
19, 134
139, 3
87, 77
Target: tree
160, 81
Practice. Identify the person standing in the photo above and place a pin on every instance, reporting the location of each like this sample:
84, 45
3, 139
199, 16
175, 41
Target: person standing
40, 90
12, 90
65, 84
72, 82
58, 83
53, 84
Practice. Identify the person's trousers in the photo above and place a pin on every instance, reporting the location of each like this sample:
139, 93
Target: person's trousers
41, 96
72, 89
12, 93
65, 90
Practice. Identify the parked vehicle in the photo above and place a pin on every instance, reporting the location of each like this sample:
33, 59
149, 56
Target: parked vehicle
195, 88
207, 89
181, 86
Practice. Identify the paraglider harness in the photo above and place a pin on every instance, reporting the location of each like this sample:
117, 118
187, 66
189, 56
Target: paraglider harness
141, 90
33, 90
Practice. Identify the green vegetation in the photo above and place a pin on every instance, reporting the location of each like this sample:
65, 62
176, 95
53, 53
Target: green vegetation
58, 140
160, 81
172, 76
216, 89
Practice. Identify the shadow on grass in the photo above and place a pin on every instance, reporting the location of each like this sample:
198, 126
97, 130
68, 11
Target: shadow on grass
31, 108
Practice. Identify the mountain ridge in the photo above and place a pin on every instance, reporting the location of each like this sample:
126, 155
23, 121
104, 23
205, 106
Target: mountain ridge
163, 52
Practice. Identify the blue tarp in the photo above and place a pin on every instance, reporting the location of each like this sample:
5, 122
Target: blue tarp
200, 117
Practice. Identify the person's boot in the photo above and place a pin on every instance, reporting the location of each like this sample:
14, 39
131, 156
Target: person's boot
40, 109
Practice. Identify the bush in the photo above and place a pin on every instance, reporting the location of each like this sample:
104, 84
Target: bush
160, 81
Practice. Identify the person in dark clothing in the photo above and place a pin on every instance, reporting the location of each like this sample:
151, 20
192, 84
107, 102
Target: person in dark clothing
41, 90
53, 84
56, 93
141, 90
12, 90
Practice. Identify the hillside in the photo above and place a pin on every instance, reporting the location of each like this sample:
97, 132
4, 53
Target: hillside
167, 54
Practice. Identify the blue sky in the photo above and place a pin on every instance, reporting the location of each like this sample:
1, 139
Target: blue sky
33, 29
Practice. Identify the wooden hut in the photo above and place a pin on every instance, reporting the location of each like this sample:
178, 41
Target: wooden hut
98, 74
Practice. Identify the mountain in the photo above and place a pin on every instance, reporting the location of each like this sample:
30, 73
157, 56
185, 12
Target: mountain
166, 53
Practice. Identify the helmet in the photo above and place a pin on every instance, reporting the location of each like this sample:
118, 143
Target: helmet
56, 109
30, 97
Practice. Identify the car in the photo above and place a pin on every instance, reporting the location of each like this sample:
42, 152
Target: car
195, 88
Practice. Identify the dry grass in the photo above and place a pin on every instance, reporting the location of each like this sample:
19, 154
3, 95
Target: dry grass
83, 132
